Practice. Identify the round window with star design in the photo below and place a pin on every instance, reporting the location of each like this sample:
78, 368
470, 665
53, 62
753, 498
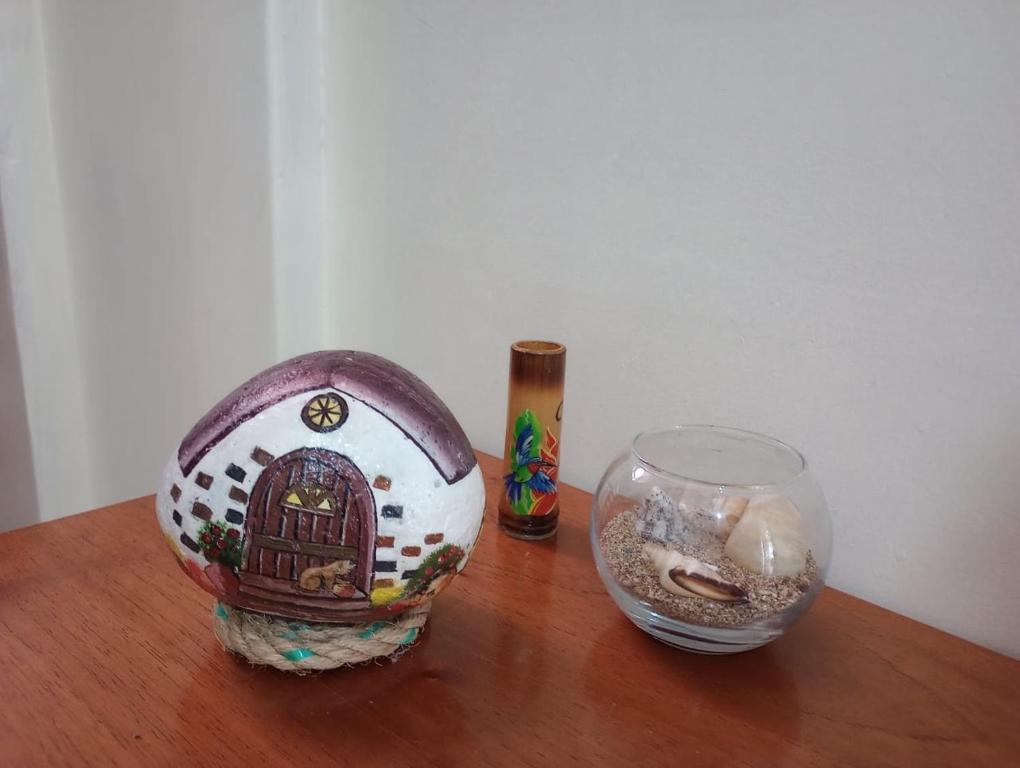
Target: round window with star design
324, 413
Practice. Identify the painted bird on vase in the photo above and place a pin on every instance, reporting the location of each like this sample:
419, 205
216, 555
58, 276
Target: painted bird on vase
527, 470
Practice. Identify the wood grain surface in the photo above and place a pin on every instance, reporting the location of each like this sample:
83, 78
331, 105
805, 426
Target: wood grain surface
108, 659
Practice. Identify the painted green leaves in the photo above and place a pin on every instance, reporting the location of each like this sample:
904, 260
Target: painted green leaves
439, 563
530, 477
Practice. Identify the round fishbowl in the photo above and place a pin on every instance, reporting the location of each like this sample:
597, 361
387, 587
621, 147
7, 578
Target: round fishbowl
711, 539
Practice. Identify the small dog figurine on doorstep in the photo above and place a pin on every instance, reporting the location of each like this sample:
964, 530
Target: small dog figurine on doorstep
324, 576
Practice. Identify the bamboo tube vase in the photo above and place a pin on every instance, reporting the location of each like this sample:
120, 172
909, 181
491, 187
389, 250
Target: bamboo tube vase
529, 505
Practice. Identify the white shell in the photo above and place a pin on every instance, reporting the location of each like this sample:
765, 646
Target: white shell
702, 576
769, 538
728, 514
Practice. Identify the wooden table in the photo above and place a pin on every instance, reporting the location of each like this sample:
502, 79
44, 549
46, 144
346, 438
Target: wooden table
108, 658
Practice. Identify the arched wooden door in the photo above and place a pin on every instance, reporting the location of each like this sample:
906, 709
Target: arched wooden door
309, 535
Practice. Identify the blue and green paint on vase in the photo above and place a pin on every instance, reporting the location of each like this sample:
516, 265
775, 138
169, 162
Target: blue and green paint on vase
530, 485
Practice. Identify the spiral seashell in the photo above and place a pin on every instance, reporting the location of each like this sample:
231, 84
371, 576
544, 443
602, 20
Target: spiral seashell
769, 538
728, 514
689, 577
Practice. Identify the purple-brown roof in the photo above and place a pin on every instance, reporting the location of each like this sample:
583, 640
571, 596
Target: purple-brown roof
393, 391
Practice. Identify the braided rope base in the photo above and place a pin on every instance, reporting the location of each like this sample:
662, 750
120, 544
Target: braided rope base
294, 646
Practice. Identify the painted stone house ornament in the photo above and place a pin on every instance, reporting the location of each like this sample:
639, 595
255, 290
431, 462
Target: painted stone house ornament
334, 488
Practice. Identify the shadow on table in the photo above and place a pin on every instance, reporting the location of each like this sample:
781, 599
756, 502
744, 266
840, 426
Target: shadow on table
739, 697
392, 710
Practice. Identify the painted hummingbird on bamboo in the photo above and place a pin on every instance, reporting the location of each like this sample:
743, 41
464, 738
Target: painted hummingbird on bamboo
527, 470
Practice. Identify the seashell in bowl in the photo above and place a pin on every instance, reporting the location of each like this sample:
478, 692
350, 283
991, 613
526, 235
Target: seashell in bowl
689, 577
769, 538
665, 519
728, 514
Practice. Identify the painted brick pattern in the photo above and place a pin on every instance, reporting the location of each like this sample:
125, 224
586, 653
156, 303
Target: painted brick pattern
201, 511
259, 456
235, 473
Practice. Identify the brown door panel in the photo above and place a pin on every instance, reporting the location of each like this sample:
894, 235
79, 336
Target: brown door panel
309, 508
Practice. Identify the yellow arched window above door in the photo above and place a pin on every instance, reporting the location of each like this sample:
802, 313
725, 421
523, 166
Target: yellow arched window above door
310, 497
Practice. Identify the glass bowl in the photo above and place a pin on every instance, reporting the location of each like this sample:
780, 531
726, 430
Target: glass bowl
711, 539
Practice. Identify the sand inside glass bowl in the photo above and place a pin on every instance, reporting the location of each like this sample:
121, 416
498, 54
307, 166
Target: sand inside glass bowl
623, 548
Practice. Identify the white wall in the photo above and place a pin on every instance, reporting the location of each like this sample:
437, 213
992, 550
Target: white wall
159, 136
800, 218
792, 217
40, 280
17, 477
